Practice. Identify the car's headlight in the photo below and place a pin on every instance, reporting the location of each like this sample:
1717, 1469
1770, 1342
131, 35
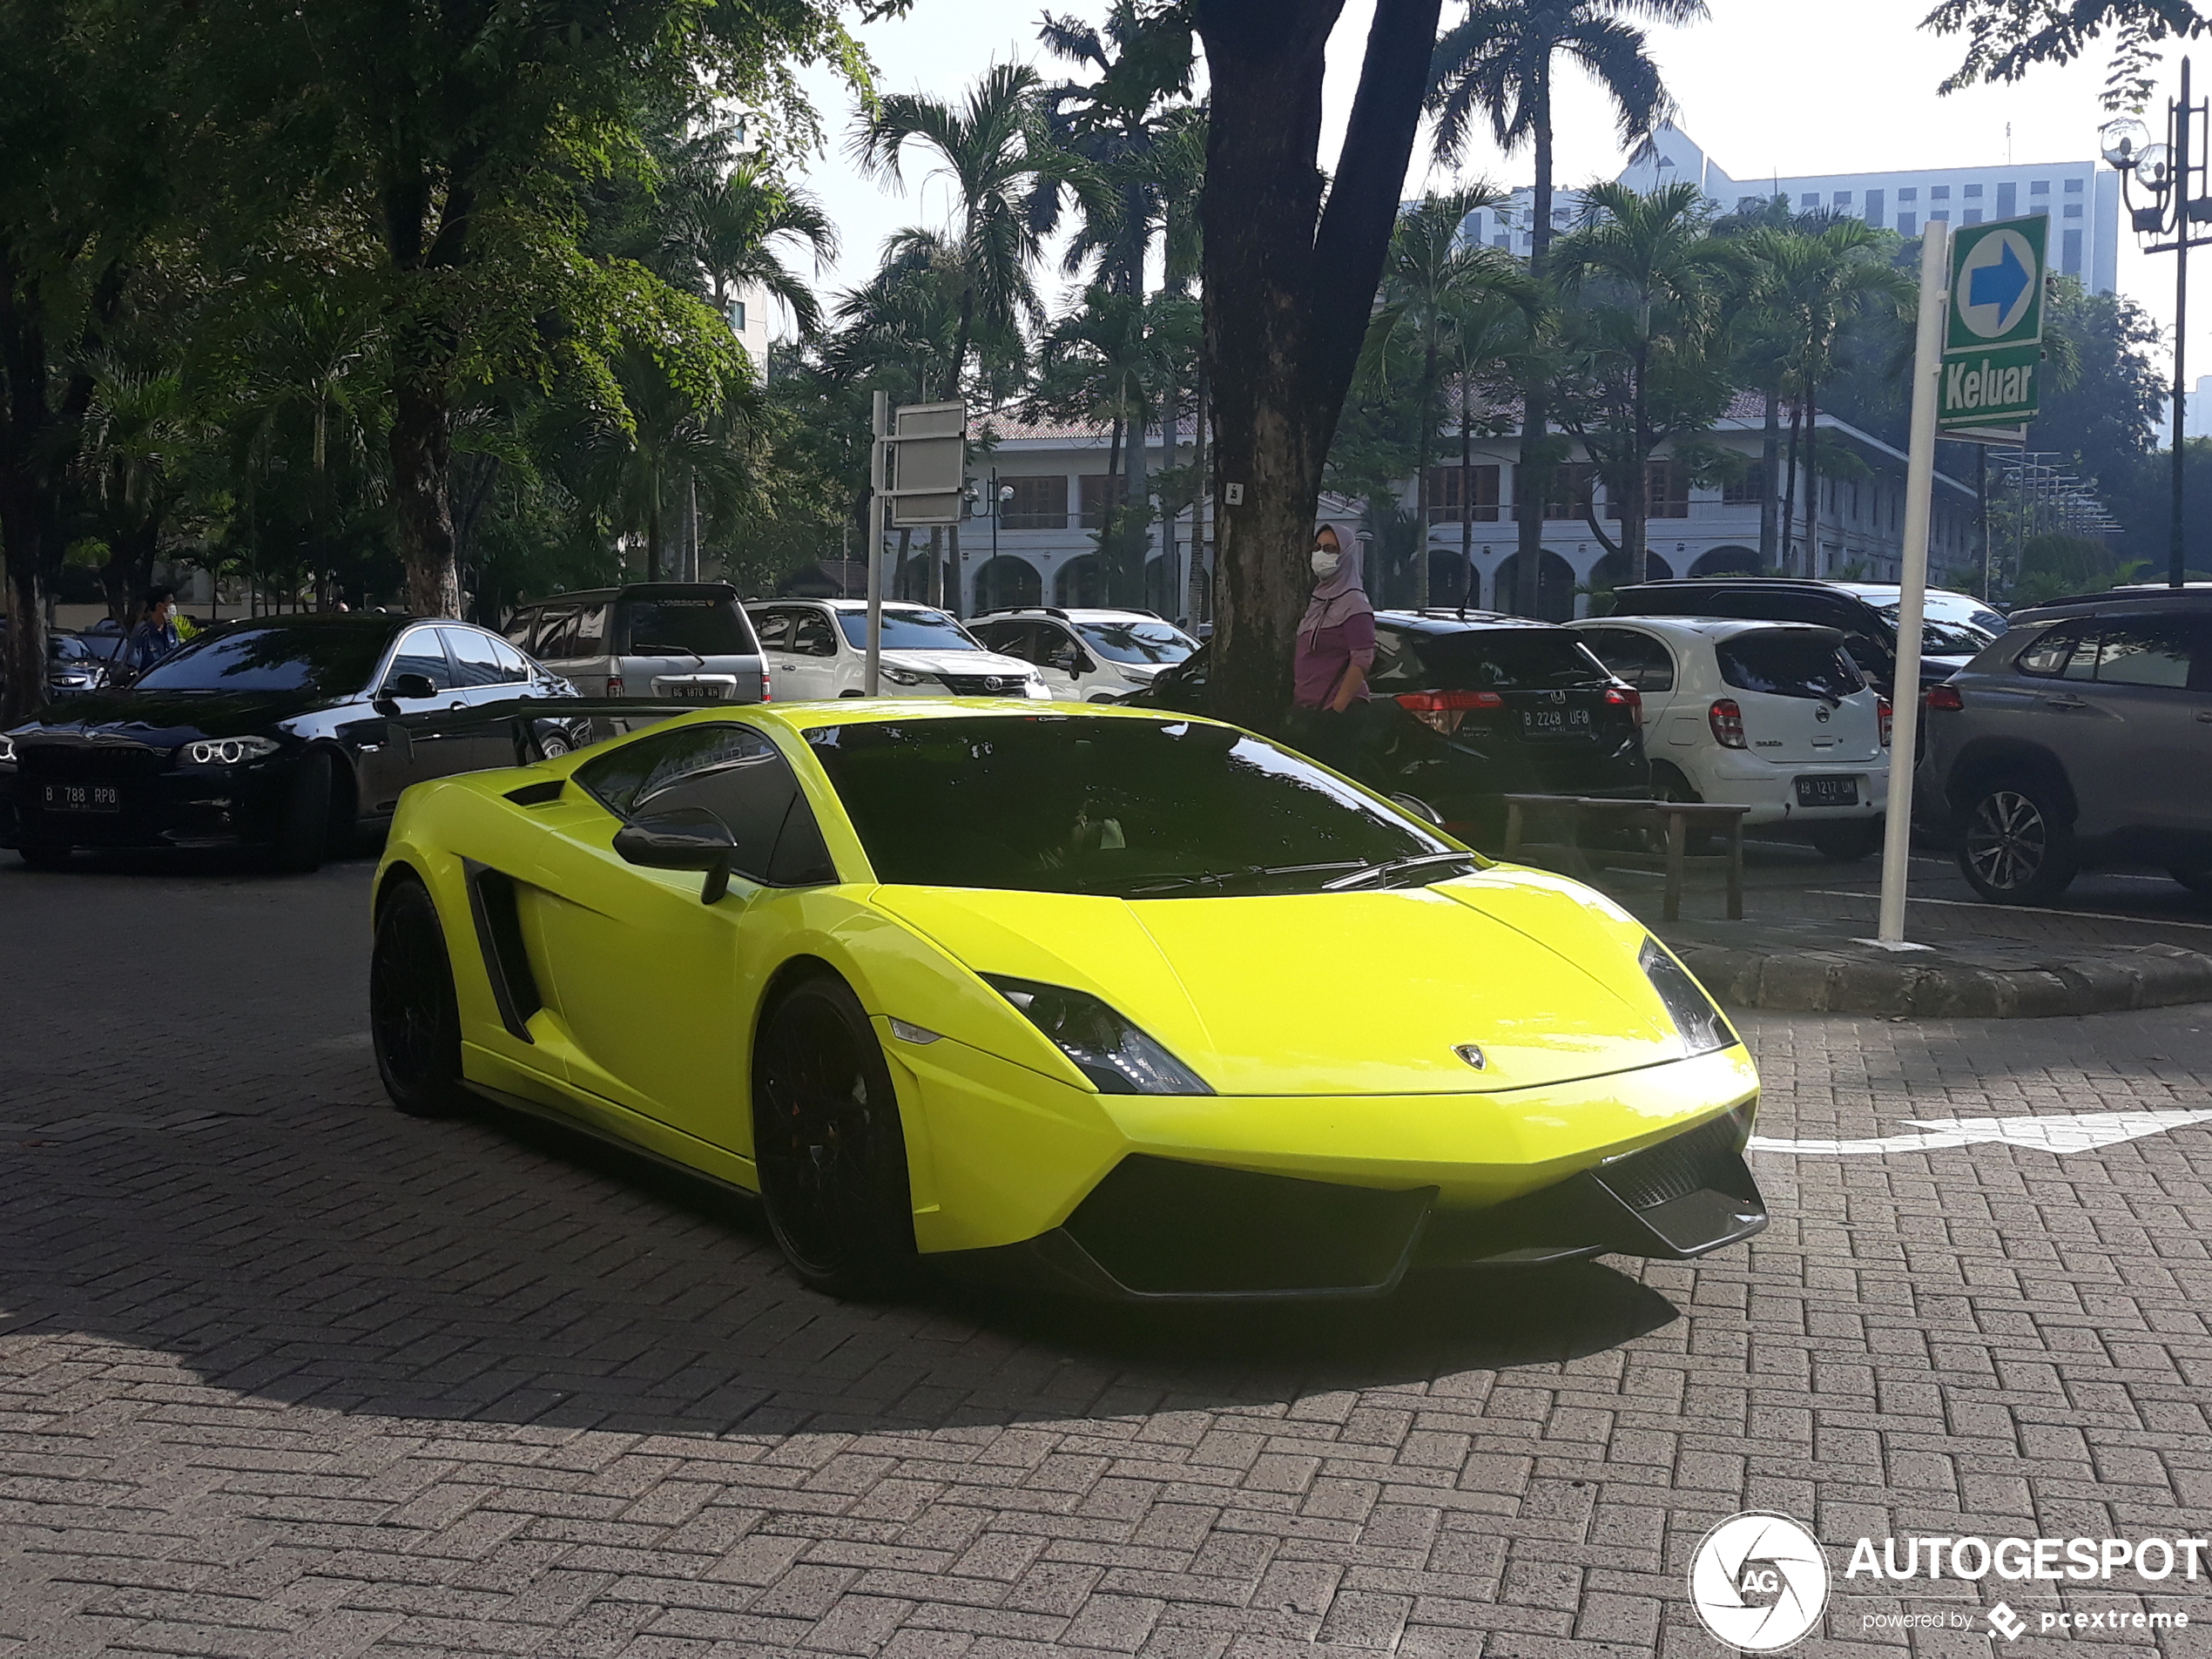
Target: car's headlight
224, 751
1703, 1027
7, 750
1117, 1056
899, 676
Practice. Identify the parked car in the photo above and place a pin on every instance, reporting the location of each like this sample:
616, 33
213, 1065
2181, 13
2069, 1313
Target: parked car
687, 641
818, 648
1088, 656
285, 733
2081, 738
1956, 625
1463, 712
75, 663
1773, 716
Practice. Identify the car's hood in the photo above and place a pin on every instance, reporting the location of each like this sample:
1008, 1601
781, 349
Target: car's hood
958, 662
166, 719
1338, 994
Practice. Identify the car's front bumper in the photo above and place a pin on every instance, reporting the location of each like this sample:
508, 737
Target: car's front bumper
1148, 1197
172, 807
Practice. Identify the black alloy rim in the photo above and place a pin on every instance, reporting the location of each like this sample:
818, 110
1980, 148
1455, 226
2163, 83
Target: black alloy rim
814, 1132
2008, 841
405, 1008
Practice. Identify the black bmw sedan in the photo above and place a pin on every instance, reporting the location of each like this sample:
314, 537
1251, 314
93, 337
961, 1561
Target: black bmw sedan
288, 734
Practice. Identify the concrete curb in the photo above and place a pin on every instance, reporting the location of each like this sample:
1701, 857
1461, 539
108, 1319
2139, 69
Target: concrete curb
1814, 971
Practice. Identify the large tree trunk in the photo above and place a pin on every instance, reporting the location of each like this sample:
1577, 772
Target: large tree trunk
1466, 493
26, 419
1770, 459
1789, 566
422, 448
1288, 287
1133, 527
1201, 496
1426, 451
1812, 482
1534, 483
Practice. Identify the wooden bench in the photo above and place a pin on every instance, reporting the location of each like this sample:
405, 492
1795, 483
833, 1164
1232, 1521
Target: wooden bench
1674, 818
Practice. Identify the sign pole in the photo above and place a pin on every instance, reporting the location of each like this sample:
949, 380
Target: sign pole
879, 454
1920, 497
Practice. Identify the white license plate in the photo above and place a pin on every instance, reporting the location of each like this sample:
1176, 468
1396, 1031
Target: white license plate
82, 797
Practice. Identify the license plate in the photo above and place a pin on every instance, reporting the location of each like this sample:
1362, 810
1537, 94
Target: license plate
709, 693
1827, 791
82, 797
1538, 725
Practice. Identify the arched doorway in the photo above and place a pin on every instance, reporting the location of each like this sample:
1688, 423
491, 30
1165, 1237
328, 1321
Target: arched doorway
1452, 580
1554, 587
1727, 561
1612, 571
1005, 582
1080, 582
1159, 586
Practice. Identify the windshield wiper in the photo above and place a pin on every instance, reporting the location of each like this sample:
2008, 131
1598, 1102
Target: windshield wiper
1221, 879
656, 648
1373, 873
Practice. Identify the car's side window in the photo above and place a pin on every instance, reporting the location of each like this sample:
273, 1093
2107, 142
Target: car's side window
555, 635
2146, 650
1634, 657
1054, 649
2055, 653
515, 668
419, 652
591, 632
812, 635
772, 628
1395, 662
521, 625
1009, 638
732, 772
475, 660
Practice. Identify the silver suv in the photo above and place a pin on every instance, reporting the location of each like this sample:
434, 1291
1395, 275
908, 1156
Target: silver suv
2083, 737
685, 640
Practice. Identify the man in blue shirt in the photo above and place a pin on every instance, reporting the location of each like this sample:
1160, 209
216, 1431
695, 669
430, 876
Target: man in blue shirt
156, 637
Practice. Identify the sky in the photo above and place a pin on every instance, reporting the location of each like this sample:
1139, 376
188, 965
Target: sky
1765, 86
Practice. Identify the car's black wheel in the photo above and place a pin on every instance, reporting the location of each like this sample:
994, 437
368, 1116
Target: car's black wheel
43, 858
303, 834
1847, 842
412, 1018
826, 1137
2015, 847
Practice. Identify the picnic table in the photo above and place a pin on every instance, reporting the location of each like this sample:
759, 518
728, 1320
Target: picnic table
1673, 818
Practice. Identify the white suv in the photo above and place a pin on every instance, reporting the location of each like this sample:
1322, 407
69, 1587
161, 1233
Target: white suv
1088, 655
1773, 716
819, 648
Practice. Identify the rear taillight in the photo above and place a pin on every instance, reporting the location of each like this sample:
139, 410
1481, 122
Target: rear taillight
1883, 704
767, 689
1625, 697
614, 686
1945, 697
1443, 710
1727, 718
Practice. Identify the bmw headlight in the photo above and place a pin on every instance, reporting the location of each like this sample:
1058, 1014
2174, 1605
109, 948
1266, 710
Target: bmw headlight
1117, 1057
899, 676
1703, 1027
224, 751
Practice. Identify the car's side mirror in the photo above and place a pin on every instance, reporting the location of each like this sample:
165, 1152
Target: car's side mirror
413, 687
1082, 665
688, 837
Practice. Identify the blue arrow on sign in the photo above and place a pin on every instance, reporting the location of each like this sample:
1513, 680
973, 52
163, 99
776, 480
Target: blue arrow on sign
2000, 284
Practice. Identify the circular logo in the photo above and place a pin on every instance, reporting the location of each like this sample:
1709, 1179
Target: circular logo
1759, 1583
1996, 284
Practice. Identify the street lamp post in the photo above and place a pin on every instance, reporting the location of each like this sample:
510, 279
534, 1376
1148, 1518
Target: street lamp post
2173, 175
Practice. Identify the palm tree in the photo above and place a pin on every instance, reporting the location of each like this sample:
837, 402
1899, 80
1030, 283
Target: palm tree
1818, 283
1496, 65
1434, 280
728, 221
673, 448
1651, 279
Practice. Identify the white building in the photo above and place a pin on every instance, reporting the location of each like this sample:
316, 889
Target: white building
2082, 197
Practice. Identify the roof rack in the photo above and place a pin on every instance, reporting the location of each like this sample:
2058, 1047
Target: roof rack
2146, 590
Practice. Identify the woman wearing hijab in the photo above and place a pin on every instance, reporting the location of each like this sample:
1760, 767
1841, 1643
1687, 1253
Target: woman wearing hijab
1336, 646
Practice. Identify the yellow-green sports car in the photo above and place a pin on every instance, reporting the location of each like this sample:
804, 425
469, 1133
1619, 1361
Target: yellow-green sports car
1139, 1004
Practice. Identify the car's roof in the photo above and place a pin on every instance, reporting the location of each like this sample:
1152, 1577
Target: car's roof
801, 718
630, 590
1707, 627
1069, 613
845, 604
2161, 593
1457, 621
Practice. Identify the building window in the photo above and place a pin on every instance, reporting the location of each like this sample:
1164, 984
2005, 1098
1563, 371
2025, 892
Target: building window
1665, 490
2074, 186
1039, 503
1909, 193
1446, 499
1939, 193
1974, 193
2039, 187
1973, 216
1573, 488
1748, 490
1874, 208
1941, 213
2070, 253
1908, 225
1503, 240
737, 316
1102, 491
1810, 199
2007, 201
2073, 210
1843, 198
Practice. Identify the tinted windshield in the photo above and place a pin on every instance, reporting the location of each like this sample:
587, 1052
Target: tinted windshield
1789, 664
1070, 804
907, 630
1951, 625
1505, 659
296, 657
710, 625
1137, 642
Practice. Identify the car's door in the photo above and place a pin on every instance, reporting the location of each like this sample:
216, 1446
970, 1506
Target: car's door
424, 737
490, 674
2146, 766
2043, 702
655, 990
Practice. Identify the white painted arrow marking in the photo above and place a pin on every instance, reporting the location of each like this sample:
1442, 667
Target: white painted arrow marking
2059, 1132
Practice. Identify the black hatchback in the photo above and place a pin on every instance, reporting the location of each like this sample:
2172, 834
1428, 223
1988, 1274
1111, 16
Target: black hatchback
1464, 709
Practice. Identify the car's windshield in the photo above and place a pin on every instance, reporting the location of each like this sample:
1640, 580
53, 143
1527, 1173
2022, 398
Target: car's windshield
1086, 804
1952, 624
907, 630
705, 625
278, 657
1789, 664
1137, 642
1505, 659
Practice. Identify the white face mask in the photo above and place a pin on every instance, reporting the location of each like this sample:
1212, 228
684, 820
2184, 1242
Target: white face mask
1325, 563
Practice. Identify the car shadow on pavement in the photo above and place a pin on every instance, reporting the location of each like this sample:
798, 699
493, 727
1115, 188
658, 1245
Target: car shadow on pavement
504, 1270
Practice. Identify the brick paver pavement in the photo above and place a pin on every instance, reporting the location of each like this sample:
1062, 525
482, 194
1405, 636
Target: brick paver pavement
283, 1373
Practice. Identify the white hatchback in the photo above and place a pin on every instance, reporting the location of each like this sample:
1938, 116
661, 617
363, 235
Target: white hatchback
1773, 716
818, 648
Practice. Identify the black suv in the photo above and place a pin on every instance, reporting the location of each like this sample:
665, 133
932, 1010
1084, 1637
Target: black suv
1954, 626
1466, 708
2083, 737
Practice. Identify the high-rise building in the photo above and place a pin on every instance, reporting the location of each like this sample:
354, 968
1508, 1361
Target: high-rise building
2082, 199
